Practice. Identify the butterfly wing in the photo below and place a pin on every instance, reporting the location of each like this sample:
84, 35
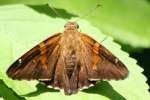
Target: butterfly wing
101, 63
39, 62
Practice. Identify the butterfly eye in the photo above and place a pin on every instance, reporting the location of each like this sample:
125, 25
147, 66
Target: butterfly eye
77, 26
65, 25
71, 24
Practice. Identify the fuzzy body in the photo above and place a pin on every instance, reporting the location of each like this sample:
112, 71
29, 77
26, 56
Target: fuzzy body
70, 61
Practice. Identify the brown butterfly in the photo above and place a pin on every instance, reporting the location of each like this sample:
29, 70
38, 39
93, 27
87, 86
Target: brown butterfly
70, 61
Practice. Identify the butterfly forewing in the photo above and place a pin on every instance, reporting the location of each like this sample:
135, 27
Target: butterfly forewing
70, 61
103, 64
33, 64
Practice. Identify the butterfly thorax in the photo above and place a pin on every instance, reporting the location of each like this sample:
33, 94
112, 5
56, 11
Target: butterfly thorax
70, 43
70, 61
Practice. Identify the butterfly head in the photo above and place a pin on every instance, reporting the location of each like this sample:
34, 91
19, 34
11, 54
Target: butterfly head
71, 26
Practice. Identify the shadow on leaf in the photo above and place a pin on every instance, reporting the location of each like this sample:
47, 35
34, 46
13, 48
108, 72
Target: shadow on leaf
7, 93
102, 88
41, 88
105, 89
45, 9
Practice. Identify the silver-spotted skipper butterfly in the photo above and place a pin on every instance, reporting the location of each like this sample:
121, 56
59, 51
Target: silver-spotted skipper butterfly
70, 61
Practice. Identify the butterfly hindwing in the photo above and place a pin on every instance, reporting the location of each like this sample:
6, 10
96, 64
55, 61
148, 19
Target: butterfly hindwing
101, 63
70, 61
34, 64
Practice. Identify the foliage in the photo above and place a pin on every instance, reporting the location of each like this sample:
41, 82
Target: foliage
126, 20
22, 27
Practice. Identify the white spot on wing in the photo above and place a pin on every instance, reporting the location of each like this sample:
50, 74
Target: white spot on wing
91, 85
116, 60
44, 79
86, 87
20, 61
49, 86
57, 88
94, 79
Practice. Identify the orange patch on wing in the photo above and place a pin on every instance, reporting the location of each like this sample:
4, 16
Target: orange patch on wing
43, 54
53, 40
96, 58
88, 40
96, 48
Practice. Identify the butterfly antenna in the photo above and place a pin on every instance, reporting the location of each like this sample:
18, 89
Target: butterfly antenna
104, 39
90, 11
55, 11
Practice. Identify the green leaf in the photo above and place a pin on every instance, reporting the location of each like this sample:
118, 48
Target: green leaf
1, 98
126, 20
21, 28
7, 93
30, 2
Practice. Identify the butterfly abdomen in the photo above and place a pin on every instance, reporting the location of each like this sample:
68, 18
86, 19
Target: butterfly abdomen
70, 62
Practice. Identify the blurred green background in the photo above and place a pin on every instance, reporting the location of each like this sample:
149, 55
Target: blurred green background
127, 21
